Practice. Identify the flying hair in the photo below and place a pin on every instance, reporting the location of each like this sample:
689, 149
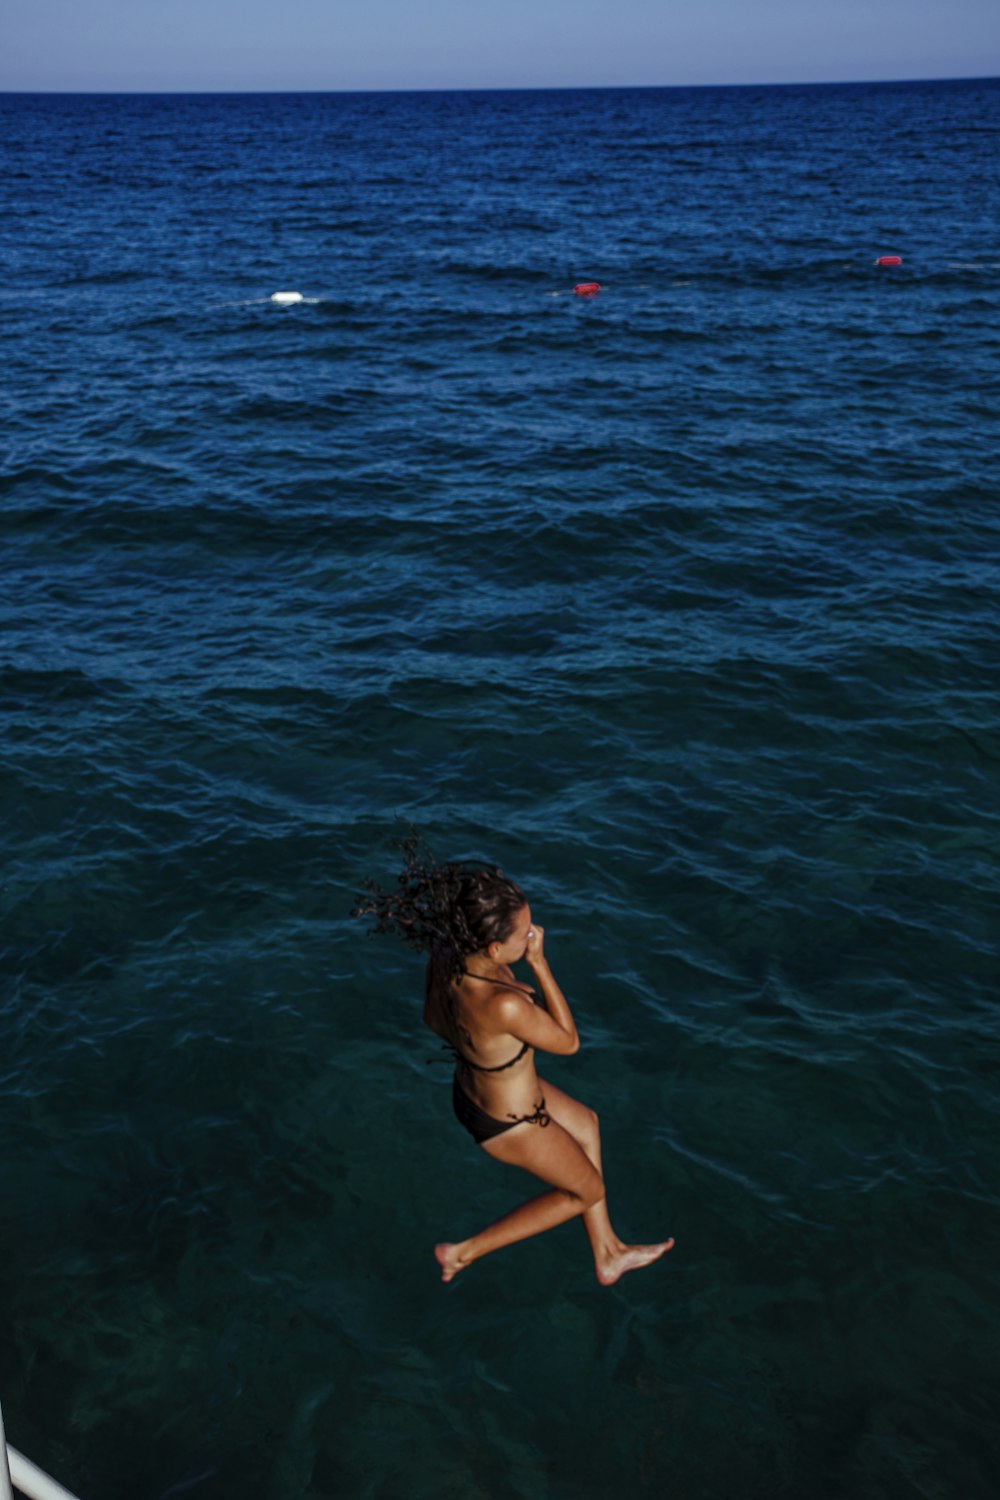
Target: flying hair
445, 910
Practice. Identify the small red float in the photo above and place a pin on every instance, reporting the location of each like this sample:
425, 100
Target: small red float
587, 288
889, 260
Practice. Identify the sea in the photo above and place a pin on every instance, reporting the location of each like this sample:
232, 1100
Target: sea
679, 601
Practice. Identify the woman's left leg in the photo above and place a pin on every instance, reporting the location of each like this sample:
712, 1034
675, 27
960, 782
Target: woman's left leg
611, 1255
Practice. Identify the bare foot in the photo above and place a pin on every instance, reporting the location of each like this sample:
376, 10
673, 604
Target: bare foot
629, 1258
450, 1259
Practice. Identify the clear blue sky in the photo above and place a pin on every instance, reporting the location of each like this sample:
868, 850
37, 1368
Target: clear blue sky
419, 44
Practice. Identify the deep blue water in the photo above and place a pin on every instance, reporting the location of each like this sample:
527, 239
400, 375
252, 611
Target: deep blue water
681, 603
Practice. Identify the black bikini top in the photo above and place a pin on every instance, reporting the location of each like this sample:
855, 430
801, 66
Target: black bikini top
465, 1062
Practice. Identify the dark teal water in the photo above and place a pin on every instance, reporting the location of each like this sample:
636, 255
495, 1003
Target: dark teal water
681, 603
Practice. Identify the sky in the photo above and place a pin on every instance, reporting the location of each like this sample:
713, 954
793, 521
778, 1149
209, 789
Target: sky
220, 45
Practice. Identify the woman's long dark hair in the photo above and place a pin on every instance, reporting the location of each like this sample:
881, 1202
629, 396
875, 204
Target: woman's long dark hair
444, 910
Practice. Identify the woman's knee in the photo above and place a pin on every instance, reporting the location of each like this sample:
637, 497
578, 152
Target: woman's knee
596, 1195
589, 1191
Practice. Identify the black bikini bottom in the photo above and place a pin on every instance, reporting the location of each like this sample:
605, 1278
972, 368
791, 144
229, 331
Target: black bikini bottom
483, 1127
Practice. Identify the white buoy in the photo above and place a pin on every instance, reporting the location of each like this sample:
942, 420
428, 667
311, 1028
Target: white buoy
285, 299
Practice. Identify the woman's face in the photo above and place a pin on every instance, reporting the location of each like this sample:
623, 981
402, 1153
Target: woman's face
510, 951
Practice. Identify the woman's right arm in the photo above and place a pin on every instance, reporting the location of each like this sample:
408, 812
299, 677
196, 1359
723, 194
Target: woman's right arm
552, 1029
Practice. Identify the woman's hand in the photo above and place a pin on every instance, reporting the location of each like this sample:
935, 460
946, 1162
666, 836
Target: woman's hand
534, 950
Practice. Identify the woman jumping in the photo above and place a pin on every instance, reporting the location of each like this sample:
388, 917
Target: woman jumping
475, 923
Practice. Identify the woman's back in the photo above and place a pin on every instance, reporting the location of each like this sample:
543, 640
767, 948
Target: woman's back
464, 1014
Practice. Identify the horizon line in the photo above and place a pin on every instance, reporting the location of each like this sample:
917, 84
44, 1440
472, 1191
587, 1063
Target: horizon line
564, 88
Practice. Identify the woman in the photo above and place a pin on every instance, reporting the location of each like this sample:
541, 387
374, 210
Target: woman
475, 923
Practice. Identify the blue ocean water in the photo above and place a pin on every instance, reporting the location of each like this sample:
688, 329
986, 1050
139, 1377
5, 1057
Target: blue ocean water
681, 603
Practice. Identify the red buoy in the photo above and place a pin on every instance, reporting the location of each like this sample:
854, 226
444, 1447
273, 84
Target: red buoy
587, 288
889, 260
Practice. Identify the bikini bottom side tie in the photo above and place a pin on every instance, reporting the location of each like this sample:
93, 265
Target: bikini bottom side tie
483, 1127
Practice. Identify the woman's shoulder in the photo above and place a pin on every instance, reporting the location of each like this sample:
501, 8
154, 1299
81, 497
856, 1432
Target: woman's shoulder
494, 1007
480, 987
